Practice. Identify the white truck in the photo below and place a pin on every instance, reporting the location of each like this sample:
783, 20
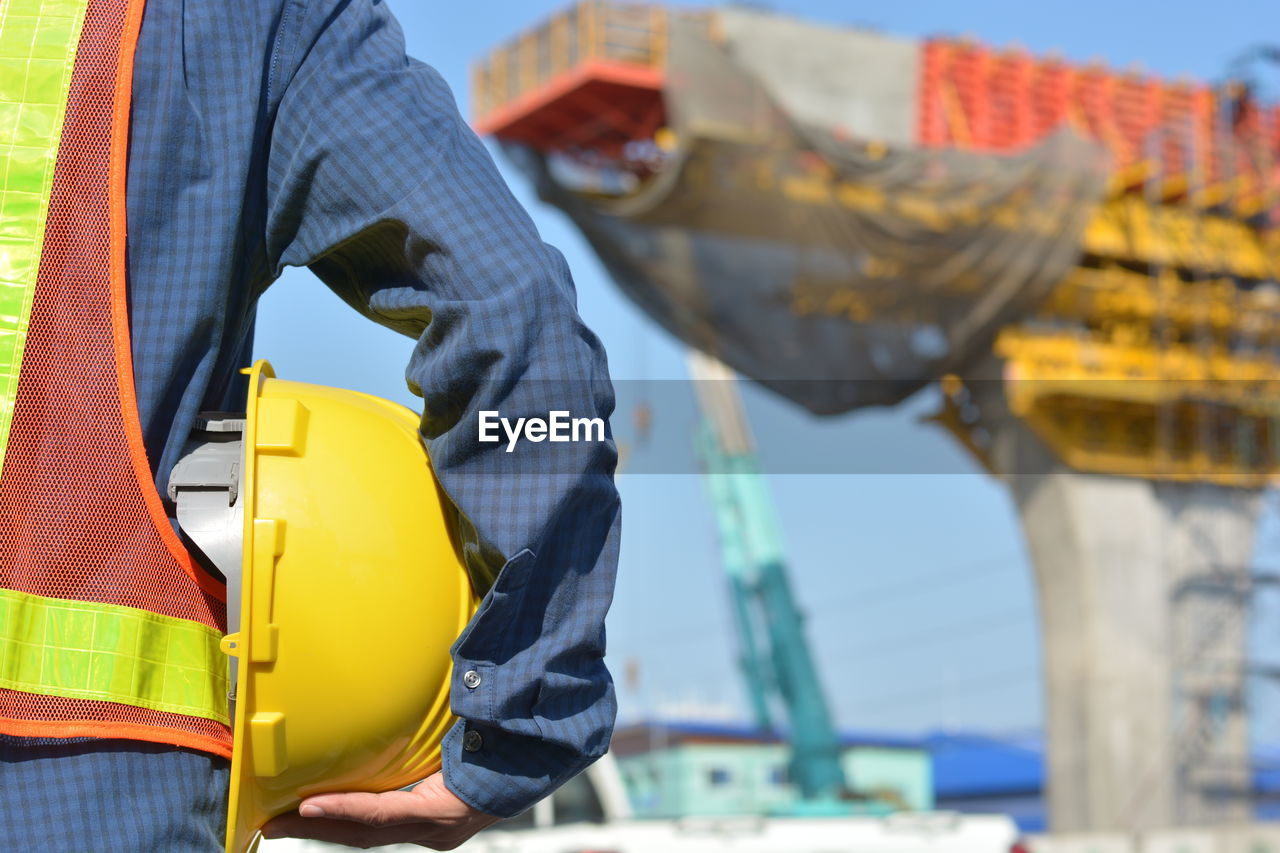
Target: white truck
591, 814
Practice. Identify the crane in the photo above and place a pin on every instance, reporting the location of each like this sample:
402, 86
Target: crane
777, 664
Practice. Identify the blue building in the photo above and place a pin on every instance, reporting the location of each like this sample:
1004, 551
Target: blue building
1005, 775
990, 775
682, 769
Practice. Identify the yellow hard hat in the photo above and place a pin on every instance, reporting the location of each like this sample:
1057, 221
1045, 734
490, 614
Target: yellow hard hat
353, 590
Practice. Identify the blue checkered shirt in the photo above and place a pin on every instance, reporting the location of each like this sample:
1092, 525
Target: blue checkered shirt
274, 133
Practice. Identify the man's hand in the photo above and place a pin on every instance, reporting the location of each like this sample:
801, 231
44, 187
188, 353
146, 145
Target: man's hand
429, 815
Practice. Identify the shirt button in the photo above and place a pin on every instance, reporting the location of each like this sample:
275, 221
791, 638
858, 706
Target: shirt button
472, 741
471, 678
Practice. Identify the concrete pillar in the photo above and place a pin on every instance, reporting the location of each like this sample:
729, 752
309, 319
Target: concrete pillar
1141, 588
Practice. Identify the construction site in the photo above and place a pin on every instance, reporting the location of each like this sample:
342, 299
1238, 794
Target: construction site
640, 426
1083, 259
1014, 283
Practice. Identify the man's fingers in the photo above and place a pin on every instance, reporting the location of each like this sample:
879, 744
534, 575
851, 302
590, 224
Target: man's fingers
428, 815
389, 809
350, 833
320, 829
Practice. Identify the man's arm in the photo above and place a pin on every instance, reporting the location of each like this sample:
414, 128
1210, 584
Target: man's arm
376, 183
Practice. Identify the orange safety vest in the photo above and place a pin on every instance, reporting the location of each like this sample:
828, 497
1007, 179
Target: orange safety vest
107, 628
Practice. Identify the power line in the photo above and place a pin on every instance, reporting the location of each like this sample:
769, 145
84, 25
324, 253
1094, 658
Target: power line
922, 582
908, 642
988, 565
1018, 676
933, 633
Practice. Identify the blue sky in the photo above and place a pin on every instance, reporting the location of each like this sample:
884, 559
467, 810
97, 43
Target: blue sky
917, 585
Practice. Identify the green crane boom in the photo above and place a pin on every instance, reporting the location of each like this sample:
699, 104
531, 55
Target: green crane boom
777, 664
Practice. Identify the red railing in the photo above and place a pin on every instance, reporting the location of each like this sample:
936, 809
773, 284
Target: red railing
1190, 137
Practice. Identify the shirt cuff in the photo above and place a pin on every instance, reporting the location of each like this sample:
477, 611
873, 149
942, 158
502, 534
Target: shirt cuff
504, 774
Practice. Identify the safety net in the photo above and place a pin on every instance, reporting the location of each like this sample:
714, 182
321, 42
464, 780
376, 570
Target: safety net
790, 227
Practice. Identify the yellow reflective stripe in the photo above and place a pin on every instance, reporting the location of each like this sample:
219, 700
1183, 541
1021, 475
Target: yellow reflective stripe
87, 650
38, 41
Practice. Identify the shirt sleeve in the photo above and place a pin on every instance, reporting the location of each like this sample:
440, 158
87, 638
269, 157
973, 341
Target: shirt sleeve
375, 182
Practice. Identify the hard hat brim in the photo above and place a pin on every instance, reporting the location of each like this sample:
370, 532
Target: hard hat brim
353, 590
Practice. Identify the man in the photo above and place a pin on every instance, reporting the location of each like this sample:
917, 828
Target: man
263, 134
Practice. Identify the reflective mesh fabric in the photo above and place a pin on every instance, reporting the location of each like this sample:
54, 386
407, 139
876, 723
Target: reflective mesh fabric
54, 716
37, 50
79, 516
